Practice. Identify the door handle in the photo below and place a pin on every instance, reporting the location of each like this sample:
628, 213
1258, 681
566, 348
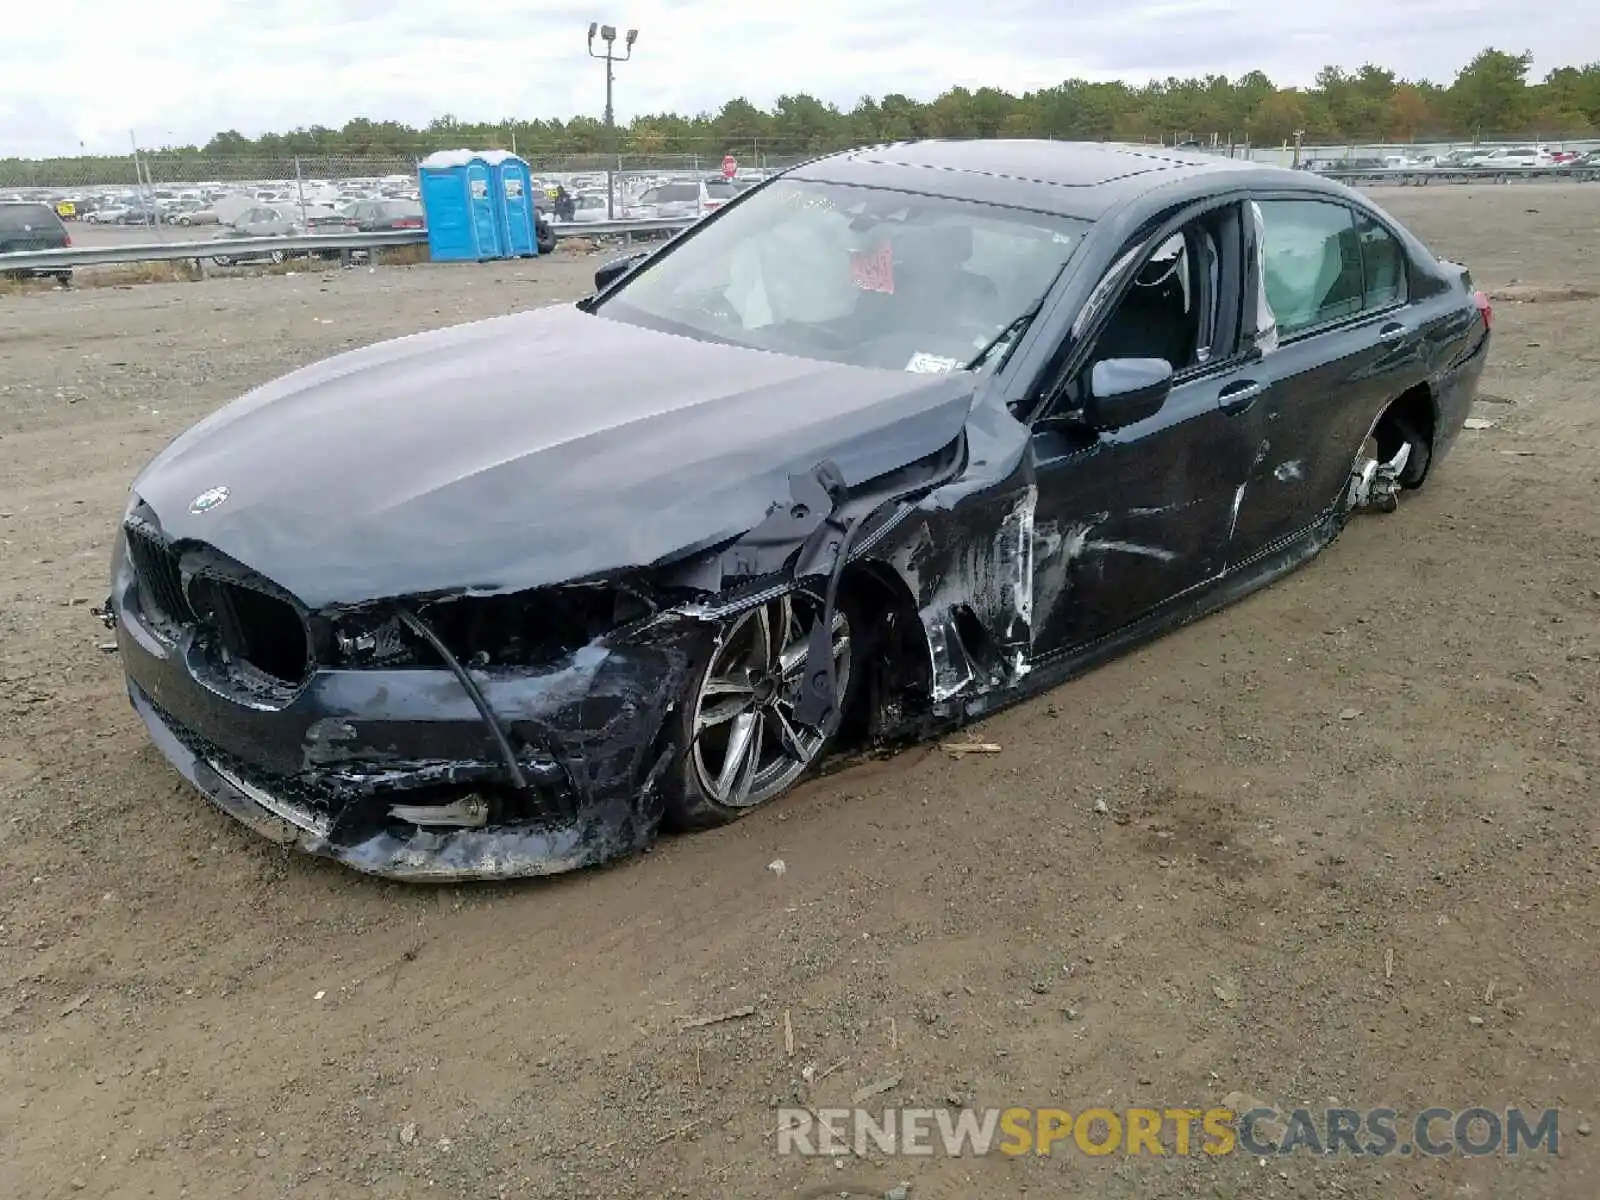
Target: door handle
1394, 331
1239, 396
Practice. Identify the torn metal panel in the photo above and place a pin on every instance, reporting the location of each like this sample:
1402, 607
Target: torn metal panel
971, 573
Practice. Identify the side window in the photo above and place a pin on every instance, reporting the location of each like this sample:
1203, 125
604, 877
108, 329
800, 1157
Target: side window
1383, 261
1168, 310
653, 196
1312, 263
1164, 302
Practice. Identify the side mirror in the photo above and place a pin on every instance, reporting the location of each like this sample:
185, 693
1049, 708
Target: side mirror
617, 268
1124, 391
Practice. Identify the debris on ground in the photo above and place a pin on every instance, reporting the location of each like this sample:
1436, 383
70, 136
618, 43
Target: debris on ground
748, 1010
962, 749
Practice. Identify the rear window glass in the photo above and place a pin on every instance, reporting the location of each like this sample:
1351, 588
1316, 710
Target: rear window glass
680, 191
16, 217
721, 191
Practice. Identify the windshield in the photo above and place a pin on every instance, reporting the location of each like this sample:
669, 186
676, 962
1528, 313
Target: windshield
862, 276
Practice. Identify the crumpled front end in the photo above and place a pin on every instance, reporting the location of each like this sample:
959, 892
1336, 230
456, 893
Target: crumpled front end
536, 746
474, 732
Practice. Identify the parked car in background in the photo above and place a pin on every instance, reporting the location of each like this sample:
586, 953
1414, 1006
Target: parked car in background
669, 200
31, 226
373, 215
718, 192
1586, 167
277, 221
1349, 166
203, 215
176, 210
588, 207
1513, 157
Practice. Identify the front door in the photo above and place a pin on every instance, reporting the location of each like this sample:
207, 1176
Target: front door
1129, 518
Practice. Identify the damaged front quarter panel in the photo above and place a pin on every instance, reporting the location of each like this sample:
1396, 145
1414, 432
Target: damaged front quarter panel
967, 557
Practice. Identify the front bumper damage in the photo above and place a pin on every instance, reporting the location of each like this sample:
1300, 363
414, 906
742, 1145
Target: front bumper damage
441, 772
344, 769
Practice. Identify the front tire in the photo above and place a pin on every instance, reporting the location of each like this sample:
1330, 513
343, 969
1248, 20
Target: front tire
743, 746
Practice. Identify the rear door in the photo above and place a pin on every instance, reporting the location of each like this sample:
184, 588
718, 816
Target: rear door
1335, 281
30, 227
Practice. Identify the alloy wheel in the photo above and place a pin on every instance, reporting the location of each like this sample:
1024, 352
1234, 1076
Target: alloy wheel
748, 747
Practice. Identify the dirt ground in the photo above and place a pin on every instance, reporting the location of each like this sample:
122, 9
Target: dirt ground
1337, 845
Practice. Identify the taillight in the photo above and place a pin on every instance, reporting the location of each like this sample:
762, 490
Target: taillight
1485, 309
68, 242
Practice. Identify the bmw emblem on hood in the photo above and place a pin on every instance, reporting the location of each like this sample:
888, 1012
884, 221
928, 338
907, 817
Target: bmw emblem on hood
207, 500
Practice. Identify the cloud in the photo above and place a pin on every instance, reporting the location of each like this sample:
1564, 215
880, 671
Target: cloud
259, 65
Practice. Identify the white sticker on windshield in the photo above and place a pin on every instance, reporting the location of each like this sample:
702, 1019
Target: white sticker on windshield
931, 364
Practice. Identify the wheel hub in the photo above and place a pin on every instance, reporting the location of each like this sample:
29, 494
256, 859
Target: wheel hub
1375, 485
764, 690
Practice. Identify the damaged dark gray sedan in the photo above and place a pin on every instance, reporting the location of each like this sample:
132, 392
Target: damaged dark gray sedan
894, 439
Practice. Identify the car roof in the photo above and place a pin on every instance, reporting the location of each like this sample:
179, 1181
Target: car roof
1075, 179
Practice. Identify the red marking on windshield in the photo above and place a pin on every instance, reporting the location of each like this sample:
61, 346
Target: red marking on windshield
873, 270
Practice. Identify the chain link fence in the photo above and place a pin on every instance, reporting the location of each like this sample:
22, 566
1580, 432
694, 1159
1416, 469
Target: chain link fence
88, 176
160, 168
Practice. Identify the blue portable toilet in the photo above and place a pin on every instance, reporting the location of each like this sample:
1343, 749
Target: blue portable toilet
513, 193
458, 203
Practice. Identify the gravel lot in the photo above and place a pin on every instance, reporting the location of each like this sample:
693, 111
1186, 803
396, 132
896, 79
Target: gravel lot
1348, 850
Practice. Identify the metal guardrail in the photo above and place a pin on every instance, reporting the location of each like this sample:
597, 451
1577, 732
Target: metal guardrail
248, 248
1425, 175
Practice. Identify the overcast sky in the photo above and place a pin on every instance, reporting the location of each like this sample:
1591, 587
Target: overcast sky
86, 71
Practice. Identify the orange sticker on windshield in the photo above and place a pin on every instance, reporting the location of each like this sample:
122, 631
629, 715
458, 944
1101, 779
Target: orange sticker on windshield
873, 270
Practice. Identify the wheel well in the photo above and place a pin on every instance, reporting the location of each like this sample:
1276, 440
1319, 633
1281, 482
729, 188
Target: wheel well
897, 646
1411, 413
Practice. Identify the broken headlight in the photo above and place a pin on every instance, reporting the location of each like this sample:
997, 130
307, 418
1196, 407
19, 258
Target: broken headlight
533, 628
524, 629
373, 640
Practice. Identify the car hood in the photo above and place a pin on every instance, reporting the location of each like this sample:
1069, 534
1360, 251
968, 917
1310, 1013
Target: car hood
526, 450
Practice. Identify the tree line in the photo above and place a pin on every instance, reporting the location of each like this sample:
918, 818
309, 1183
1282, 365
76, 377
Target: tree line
1491, 97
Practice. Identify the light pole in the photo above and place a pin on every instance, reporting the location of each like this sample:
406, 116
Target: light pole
608, 35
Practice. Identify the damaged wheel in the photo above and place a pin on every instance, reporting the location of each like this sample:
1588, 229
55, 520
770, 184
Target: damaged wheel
746, 745
1392, 458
